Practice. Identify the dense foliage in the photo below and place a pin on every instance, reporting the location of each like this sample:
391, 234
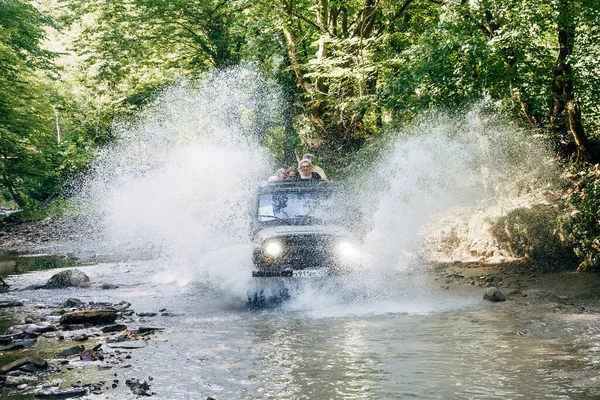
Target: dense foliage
583, 223
353, 69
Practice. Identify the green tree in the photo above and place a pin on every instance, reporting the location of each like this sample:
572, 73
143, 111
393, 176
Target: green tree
336, 51
26, 114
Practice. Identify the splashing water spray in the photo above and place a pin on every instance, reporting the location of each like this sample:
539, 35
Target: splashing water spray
176, 187
476, 162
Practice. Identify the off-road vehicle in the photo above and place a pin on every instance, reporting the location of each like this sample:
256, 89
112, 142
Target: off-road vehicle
302, 229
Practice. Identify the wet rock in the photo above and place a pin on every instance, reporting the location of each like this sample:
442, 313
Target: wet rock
81, 338
91, 355
6, 339
108, 286
71, 351
144, 330
62, 394
38, 362
10, 303
3, 286
100, 285
147, 314
170, 314
72, 327
29, 368
39, 328
67, 278
138, 387
494, 294
12, 347
71, 302
93, 317
122, 306
114, 328
16, 372
20, 380
130, 344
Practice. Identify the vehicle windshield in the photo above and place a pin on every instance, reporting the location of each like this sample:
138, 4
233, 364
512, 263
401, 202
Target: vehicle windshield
314, 207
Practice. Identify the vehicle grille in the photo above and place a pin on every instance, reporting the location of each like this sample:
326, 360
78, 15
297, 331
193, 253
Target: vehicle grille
309, 251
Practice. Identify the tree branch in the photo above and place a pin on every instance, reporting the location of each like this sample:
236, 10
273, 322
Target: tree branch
313, 24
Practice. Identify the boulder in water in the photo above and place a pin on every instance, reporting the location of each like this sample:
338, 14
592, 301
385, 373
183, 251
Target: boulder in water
72, 302
93, 317
31, 329
3, 286
494, 294
10, 303
139, 387
114, 328
71, 351
36, 362
67, 278
91, 355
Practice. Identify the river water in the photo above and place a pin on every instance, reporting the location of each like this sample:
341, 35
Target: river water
423, 342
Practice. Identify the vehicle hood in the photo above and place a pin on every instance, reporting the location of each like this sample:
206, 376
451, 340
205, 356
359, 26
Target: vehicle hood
292, 230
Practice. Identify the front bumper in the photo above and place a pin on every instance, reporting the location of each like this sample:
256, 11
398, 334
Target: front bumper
290, 273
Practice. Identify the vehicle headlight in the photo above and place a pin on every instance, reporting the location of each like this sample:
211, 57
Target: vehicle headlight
348, 250
274, 249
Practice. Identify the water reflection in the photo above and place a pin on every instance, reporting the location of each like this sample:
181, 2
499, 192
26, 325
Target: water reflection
23, 263
310, 359
474, 354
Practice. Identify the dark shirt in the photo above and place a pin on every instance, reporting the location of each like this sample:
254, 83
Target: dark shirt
314, 175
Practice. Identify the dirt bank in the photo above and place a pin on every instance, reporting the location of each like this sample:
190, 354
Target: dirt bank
563, 291
25, 236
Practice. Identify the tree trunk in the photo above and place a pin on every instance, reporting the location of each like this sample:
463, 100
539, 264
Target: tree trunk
510, 60
369, 14
578, 132
314, 114
557, 124
13, 192
566, 39
291, 50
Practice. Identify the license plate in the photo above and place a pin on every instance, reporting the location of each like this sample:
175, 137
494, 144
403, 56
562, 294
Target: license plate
309, 273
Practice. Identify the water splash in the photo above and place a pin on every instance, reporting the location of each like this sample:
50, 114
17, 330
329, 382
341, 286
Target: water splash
175, 186
476, 160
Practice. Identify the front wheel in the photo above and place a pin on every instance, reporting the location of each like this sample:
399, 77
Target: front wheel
271, 298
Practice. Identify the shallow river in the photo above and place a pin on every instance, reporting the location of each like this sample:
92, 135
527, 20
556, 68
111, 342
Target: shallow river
422, 342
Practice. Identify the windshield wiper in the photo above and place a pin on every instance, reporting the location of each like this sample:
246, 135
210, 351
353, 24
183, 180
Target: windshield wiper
287, 221
309, 218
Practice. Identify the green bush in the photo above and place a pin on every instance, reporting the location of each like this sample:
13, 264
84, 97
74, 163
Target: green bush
582, 224
534, 232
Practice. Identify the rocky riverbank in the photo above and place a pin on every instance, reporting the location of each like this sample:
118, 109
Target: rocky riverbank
72, 339
17, 236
